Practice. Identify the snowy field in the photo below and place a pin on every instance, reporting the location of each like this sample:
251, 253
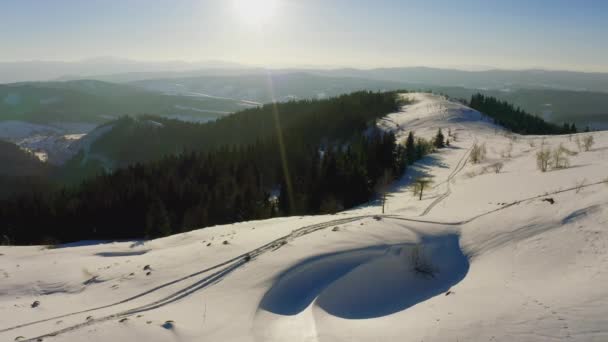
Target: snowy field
517, 255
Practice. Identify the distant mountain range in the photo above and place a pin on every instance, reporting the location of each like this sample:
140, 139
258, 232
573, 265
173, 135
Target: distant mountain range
124, 70
203, 98
90, 101
24, 71
555, 105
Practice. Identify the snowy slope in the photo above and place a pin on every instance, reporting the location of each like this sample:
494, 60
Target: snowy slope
480, 258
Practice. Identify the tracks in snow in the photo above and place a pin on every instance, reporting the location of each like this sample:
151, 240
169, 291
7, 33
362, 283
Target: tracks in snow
459, 167
223, 269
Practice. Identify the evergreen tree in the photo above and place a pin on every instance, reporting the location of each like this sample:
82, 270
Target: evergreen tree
439, 141
410, 149
157, 220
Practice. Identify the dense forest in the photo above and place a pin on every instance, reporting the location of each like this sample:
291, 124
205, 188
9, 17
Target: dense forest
21, 171
148, 138
515, 119
318, 157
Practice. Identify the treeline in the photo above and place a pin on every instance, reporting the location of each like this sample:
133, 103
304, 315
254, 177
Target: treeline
316, 166
515, 119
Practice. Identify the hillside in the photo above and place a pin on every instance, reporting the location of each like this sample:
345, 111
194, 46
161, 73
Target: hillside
21, 171
489, 253
328, 156
147, 138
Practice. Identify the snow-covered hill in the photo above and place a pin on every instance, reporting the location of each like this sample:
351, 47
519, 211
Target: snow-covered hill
517, 255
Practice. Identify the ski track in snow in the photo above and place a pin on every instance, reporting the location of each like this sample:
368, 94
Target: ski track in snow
206, 281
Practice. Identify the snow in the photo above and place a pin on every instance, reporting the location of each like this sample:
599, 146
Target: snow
202, 110
49, 142
480, 258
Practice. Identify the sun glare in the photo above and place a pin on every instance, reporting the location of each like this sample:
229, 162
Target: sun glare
256, 11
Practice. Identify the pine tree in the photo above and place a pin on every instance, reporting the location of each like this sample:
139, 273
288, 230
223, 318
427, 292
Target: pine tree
157, 220
439, 141
410, 149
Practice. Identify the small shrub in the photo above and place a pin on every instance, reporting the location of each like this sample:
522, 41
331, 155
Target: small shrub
543, 159
559, 158
497, 167
420, 262
478, 153
588, 142
579, 143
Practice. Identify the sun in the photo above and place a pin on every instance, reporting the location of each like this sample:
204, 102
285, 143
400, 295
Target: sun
256, 11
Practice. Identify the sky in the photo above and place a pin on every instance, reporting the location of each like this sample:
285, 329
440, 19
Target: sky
466, 34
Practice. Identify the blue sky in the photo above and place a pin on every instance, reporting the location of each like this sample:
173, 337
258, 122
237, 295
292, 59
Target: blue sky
515, 34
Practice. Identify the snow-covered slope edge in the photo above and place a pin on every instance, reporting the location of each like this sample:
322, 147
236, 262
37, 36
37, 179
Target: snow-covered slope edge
483, 256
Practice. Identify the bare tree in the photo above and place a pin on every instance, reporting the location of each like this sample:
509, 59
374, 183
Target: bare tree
478, 153
559, 158
382, 187
588, 142
543, 159
579, 143
420, 261
419, 185
497, 167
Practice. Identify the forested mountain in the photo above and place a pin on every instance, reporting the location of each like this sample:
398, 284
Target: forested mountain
326, 155
584, 108
516, 119
148, 138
